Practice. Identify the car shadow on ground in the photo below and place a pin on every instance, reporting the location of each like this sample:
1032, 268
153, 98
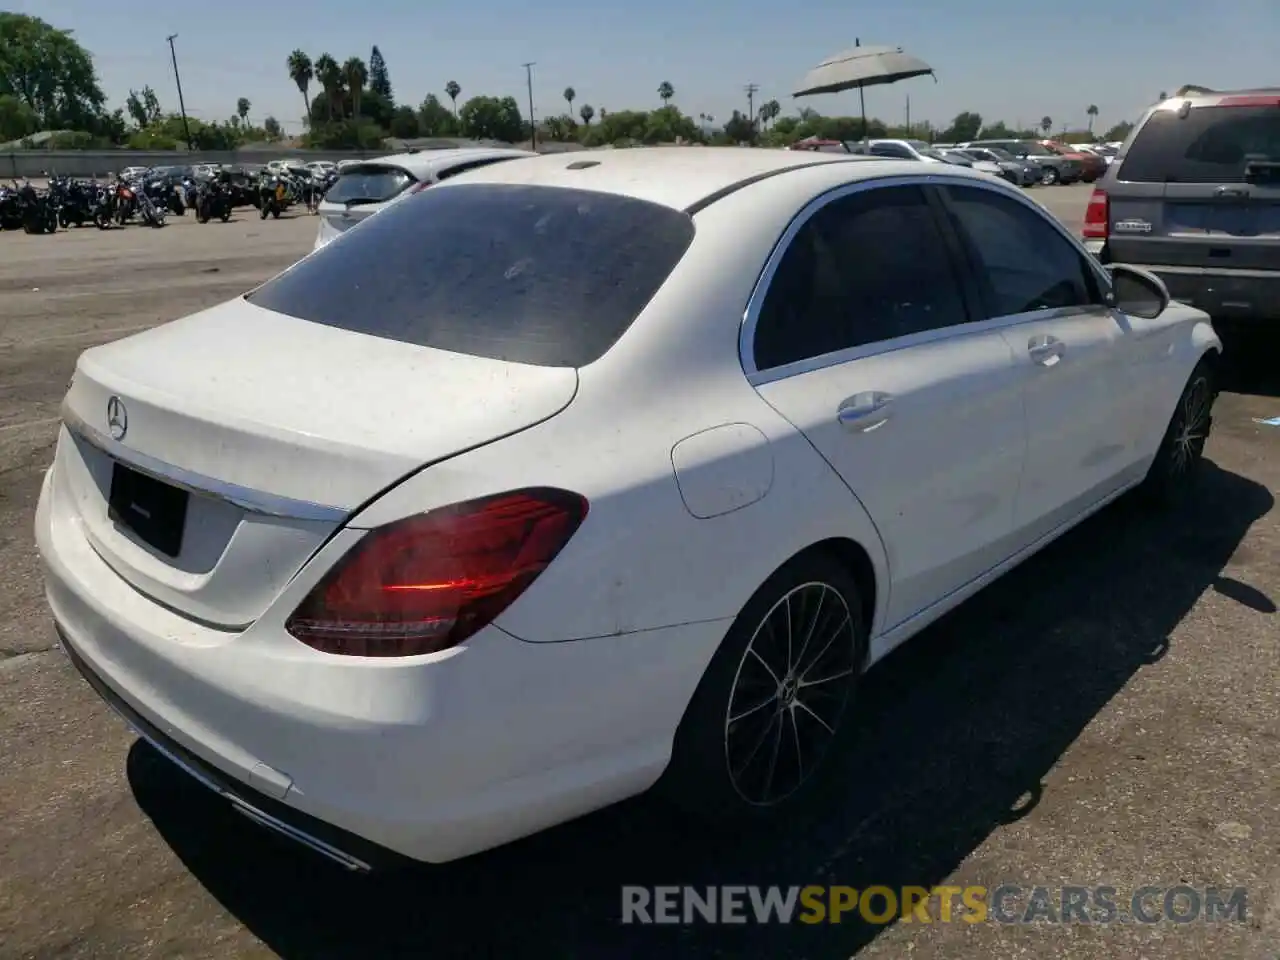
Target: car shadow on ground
958, 731
1251, 359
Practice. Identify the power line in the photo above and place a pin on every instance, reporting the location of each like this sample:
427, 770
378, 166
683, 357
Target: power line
186, 128
752, 89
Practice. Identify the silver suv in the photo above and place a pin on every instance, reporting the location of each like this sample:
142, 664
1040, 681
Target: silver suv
1194, 197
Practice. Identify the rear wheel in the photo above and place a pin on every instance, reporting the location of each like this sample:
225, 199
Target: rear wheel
773, 704
1175, 470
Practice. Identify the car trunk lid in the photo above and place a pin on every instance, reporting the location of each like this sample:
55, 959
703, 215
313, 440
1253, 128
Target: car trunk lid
361, 191
207, 459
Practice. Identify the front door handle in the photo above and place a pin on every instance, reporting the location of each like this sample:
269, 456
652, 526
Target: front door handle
864, 412
1046, 351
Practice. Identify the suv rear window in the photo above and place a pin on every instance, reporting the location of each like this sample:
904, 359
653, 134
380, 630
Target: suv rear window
529, 274
368, 184
1211, 145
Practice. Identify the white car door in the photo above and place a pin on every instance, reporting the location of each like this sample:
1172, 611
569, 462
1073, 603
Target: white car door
860, 336
1075, 354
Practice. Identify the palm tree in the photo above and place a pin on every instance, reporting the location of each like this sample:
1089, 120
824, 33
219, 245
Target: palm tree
775, 110
666, 92
452, 89
762, 115
586, 113
1092, 112
570, 94
356, 73
242, 110
301, 73
330, 76
1046, 124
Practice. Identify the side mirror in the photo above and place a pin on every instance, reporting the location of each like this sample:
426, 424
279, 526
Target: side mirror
1137, 292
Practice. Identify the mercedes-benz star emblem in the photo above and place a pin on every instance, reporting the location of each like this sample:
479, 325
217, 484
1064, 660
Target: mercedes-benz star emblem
117, 418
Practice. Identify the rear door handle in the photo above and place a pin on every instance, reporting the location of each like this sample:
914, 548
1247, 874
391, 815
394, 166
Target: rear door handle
1046, 351
864, 412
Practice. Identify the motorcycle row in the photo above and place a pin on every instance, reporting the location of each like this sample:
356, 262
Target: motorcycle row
149, 197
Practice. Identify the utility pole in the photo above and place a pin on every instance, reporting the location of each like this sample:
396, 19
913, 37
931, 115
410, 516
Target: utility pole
908, 116
533, 125
752, 89
186, 127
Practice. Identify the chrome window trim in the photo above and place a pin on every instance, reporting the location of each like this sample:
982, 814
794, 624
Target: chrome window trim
247, 499
751, 315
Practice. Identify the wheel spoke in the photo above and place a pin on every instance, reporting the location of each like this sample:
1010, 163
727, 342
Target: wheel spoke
789, 632
752, 711
826, 646
835, 676
801, 705
813, 623
764, 663
764, 735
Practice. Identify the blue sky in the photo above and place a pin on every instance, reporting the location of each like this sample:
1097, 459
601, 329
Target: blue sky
1015, 60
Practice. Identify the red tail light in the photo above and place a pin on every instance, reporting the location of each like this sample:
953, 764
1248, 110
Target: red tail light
431, 581
1097, 216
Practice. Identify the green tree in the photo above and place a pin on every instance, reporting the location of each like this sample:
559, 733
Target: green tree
242, 109
330, 76
997, 131
355, 73
570, 95
272, 127
492, 118
379, 80
739, 128
301, 72
46, 69
17, 120
144, 107
1120, 131
435, 120
665, 92
1046, 124
1093, 113
586, 113
963, 128
404, 123
452, 90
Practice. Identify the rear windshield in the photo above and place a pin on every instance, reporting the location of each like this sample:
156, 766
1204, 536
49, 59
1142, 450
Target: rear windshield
529, 274
368, 184
1211, 145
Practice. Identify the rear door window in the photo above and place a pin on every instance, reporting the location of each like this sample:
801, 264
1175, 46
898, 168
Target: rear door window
470, 165
529, 274
1209, 145
369, 183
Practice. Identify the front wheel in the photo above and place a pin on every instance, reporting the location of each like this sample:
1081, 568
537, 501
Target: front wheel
1049, 176
773, 704
1176, 468
263, 211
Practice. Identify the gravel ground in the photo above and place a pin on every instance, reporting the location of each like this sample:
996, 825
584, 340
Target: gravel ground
1106, 715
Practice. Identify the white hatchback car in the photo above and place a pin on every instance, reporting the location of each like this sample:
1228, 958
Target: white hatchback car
579, 474
367, 186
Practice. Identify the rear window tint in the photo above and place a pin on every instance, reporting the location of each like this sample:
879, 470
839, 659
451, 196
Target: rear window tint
530, 274
368, 184
1211, 145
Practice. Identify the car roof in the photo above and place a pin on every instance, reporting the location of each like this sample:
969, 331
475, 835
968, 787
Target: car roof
678, 177
422, 163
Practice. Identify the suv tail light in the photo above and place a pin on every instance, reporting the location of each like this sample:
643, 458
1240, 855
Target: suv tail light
430, 581
1097, 216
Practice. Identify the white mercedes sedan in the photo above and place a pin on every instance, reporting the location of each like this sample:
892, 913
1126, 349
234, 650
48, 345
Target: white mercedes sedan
580, 474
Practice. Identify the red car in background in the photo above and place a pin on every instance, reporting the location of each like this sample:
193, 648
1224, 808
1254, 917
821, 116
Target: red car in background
1092, 165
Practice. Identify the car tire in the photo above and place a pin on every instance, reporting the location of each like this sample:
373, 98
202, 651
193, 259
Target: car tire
1049, 177
758, 735
1174, 472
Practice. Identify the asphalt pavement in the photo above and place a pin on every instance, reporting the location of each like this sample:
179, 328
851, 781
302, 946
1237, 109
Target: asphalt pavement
1105, 715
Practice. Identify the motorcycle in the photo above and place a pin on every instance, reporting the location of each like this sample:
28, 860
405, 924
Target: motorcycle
273, 197
39, 209
75, 200
213, 199
10, 207
124, 201
165, 195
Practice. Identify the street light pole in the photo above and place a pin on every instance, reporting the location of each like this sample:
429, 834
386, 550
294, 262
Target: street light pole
186, 128
533, 126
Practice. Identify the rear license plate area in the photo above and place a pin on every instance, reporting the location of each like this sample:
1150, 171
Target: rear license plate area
151, 509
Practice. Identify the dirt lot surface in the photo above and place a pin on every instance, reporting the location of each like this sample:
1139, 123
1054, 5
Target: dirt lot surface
1106, 715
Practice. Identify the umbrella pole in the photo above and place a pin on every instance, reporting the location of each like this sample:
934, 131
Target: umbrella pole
862, 98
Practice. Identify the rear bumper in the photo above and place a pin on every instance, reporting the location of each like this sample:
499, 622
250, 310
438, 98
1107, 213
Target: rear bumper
433, 758
1224, 295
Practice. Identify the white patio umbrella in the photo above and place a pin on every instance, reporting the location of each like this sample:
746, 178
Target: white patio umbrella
862, 67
